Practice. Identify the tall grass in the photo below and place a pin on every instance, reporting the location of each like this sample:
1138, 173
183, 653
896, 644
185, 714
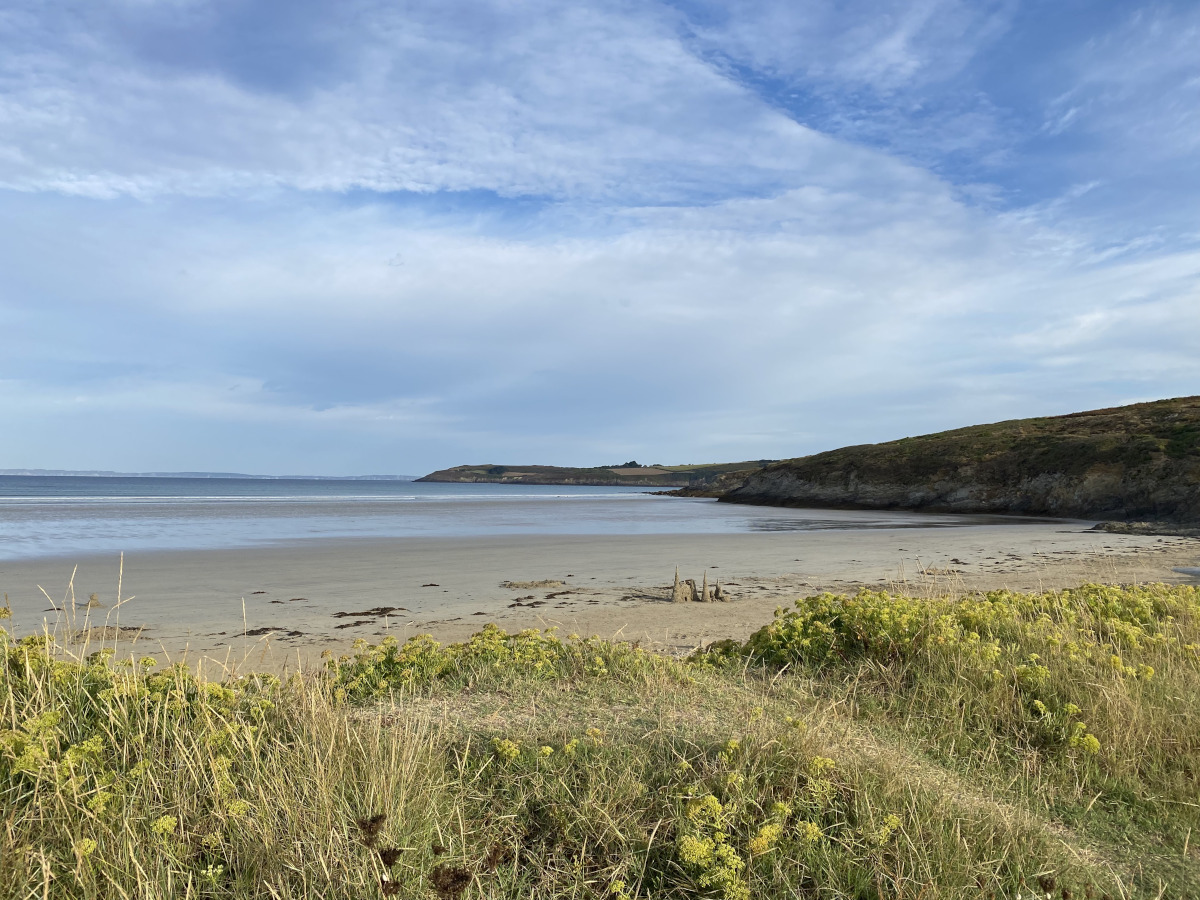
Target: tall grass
869, 746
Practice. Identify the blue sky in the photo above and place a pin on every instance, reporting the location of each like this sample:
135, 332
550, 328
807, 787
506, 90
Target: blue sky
360, 237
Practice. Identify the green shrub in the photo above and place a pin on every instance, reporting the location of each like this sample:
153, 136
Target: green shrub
490, 655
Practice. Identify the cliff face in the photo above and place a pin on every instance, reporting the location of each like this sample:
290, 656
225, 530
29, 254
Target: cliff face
1132, 462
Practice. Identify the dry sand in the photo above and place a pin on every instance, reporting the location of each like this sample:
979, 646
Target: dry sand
301, 599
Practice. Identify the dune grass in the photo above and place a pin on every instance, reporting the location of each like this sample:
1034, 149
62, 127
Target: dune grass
870, 746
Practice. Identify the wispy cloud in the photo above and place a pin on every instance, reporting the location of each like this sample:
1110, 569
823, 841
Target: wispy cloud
1137, 88
564, 101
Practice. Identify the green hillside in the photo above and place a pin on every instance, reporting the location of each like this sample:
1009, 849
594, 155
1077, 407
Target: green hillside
1132, 462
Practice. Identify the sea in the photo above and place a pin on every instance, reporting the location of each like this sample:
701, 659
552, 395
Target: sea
69, 515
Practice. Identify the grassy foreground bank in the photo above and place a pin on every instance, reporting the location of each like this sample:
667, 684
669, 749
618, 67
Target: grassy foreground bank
874, 746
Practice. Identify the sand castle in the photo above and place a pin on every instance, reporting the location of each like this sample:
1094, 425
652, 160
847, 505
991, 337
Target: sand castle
687, 592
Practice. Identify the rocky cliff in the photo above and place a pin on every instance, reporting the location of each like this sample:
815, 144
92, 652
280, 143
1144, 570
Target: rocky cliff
1131, 462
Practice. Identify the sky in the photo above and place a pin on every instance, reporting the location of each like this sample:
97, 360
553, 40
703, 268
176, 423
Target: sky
302, 237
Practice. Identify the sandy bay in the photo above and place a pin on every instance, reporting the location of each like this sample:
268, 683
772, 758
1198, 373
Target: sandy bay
303, 597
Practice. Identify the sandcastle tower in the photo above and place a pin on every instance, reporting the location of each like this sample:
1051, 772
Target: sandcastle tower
683, 591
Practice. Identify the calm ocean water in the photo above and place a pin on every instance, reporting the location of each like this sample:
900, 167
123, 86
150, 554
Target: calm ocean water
68, 515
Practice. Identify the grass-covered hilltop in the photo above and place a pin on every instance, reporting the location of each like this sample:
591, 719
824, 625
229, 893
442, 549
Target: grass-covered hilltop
705, 476
997, 745
1138, 462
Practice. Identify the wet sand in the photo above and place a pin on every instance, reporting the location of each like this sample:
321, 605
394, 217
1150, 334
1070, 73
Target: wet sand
281, 606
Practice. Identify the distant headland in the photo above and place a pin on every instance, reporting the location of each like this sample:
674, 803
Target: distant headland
708, 477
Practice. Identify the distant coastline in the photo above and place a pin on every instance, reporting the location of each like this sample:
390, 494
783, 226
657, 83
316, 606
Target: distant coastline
81, 473
627, 474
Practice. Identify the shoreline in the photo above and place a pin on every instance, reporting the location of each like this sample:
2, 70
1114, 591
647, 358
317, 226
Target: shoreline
304, 598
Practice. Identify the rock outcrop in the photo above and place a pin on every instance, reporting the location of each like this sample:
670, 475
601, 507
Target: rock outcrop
1132, 462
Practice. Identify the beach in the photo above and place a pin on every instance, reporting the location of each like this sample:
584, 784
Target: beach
279, 607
